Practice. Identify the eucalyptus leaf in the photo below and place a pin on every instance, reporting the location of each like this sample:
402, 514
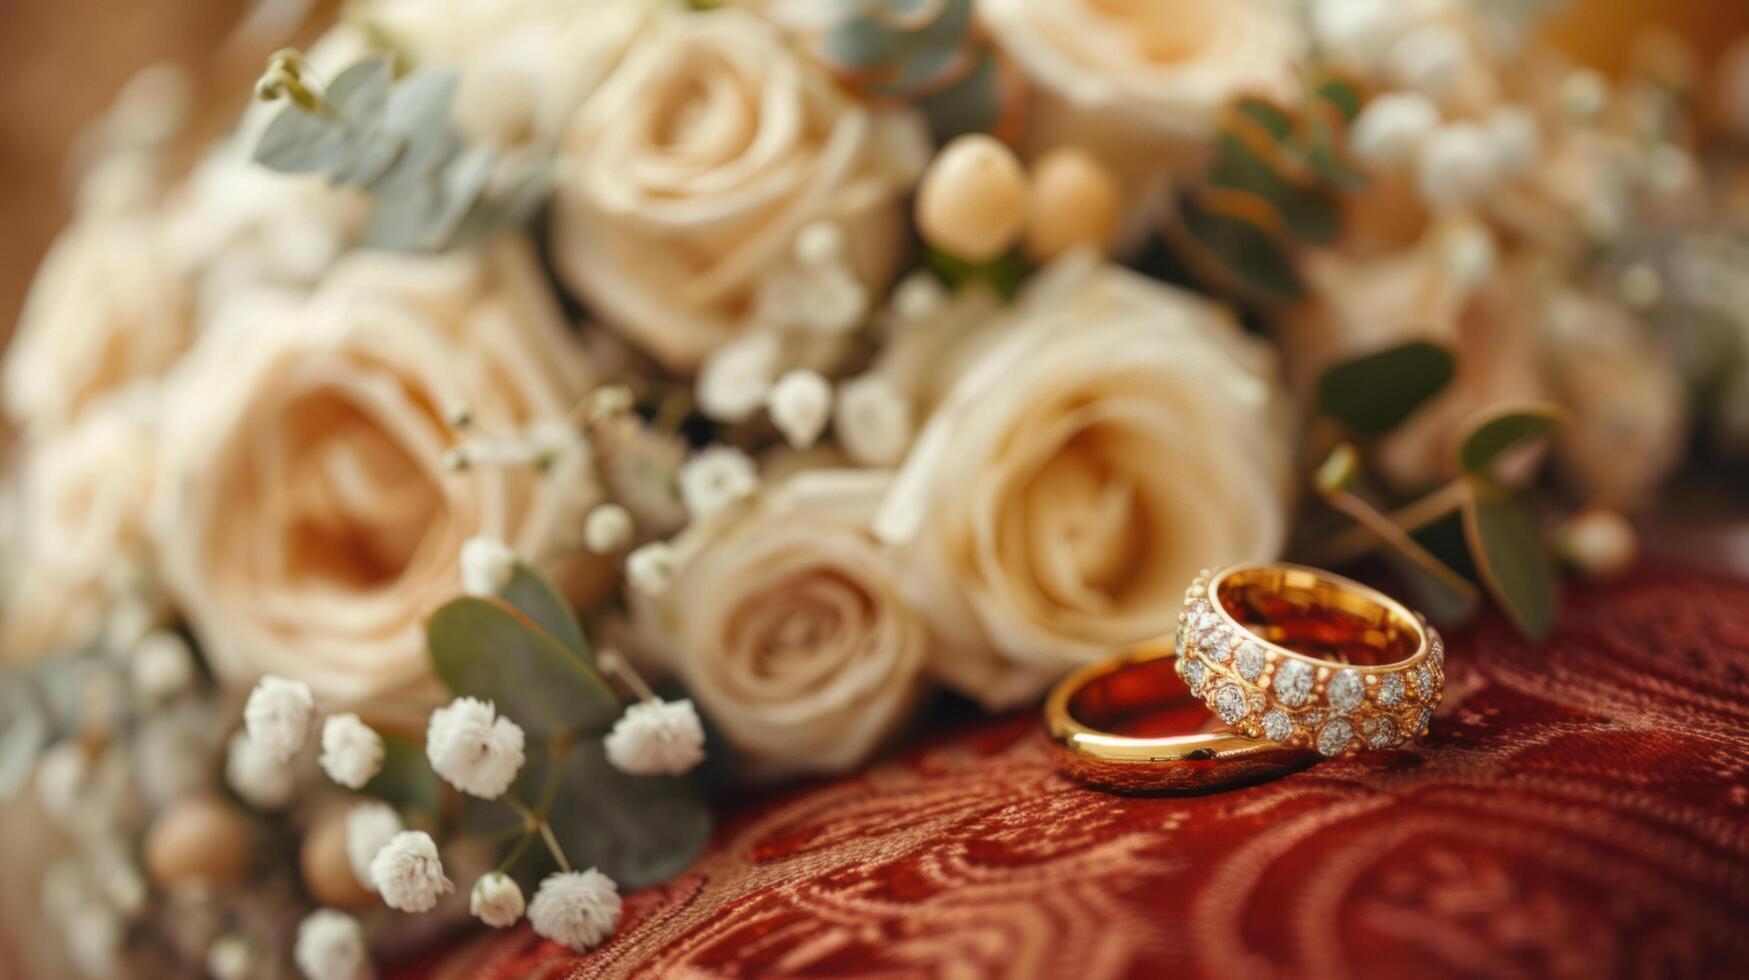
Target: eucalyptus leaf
1502, 430
484, 648
533, 596
24, 730
406, 780
1275, 120
299, 142
1223, 241
1511, 561
639, 830
418, 112
1246, 162
972, 104
1372, 394
361, 92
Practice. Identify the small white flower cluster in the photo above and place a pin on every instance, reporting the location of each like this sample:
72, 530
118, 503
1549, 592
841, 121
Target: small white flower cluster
408, 873
578, 908
656, 738
473, 748
330, 946
277, 720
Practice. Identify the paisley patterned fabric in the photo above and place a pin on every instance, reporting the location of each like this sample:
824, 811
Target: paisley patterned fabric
1580, 809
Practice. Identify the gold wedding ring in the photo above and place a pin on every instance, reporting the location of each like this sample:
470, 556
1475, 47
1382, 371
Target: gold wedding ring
1305, 659
1130, 725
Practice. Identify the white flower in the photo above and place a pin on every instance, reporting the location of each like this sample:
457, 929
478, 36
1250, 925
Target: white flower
408, 873
278, 715
1392, 128
487, 564
1598, 542
161, 666
578, 908
681, 186
351, 752
259, 777
716, 478
330, 946
651, 567
231, 957
873, 421
496, 900
60, 777
789, 627
1516, 137
1458, 166
800, 405
1045, 503
656, 738
736, 378
1431, 59
1361, 31
607, 529
369, 828
473, 749
918, 295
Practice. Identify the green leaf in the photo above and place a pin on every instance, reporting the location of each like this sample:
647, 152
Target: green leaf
1503, 429
972, 104
1273, 118
1003, 274
361, 92
298, 142
1511, 561
406, 780
1373, 393
1233, 247
1309, 213
532, 595
1344, 95
418, 111
484, 648
639, 830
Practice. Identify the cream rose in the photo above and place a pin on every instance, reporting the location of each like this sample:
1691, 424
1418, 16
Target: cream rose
1116, 437
311, 523
109, 305
684, 182
786, 624
83, 499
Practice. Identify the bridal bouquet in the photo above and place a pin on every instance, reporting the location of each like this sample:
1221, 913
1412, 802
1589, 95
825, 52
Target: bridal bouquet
536, 414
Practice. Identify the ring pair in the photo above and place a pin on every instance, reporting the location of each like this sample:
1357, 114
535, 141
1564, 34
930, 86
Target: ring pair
1296, 663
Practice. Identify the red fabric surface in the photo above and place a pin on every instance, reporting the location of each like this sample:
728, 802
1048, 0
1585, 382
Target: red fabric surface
1579, 809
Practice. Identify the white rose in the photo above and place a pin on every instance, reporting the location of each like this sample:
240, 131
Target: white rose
108, 306
314, 524
524, 66
84, 497
785, 622
1117, 436
684, 182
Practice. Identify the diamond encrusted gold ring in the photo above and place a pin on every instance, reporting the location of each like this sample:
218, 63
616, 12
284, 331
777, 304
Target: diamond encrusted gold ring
1305, 658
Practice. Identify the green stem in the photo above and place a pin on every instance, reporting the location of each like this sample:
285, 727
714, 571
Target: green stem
614, 663
1394, 535
1361, 540
546, 833
517, 851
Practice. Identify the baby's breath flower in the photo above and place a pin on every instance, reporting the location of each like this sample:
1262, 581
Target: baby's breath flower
161, 666
487, 565
872, 421
408, 873
351, 752
578, 908
1392, 128
1458, 166
261, 779
737, 376
496, 900
330, 946
716, 478
473, 748
651, 567
61, 774
801, 402
231, 957
607, 529
656, 738
369, 828
278, 716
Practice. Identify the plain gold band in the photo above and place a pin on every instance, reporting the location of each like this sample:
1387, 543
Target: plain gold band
1196, 762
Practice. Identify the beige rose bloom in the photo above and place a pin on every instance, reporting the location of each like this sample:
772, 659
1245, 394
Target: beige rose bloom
1117, 436
786, 624
310, 523
109, 305
683, 183
80, 521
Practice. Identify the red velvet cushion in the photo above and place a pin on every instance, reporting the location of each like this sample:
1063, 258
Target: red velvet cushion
1580, 809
